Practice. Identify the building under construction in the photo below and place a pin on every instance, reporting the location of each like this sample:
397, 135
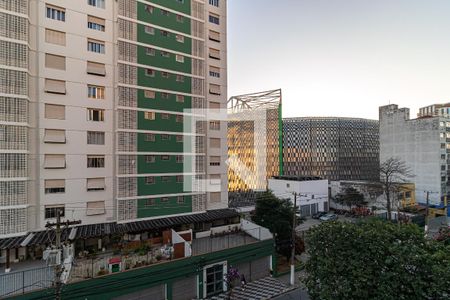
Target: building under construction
254, 143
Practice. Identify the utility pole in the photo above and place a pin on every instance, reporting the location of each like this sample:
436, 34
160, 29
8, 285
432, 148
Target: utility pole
294, 221
58, 267
426, 213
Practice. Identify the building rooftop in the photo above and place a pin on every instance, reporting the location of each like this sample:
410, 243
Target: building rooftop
297, 178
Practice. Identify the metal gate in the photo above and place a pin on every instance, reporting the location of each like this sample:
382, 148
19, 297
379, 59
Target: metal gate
185, 289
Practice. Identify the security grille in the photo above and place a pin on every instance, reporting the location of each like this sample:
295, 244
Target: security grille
127, 96
127, 164
18, 6
13, 220
13, 27
13, 137
199, 202
13, 165
198, 48
127, 209
13, 82
198, 102
198, 67
13, 193
198, 29
198, 86
127, 30
127, 52
13, 110
198, 10
128, 74
13, 54
127, 119
128, 8
126, 187
127, 141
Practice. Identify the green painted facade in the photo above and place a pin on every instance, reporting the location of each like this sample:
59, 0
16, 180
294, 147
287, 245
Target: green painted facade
175, 41
110, 286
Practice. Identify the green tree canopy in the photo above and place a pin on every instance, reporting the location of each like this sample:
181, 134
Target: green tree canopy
375, 259
350, 197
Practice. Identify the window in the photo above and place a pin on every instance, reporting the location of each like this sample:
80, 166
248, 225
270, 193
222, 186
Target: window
94, 68
95, 161
97, 3
95, 208
214, 71
443, 167
54, 186
443, 178
214, 125
56, 136
149, 137
50, 211
149, 180
96, 92
55, 61
214, 53
149, 30
407, 195
96, 46
214, 3
180, 19
165, 137
179, 38
165, 199
179, 58
164, 33
214, 161
165, 54
150, 159
164, 95
214, 143
149, 8
54, 161
164, 75
214, 197
164, 12
150, 51
213, 18
165, 116
55, 86
214, 36
95, 184
214, 105
149, 202
214, 89
96, 115
180, 178
55, 37
180, 159
442, 156
56, 13
149, 72
165, 178
96, 23
180, 199
95, 138
149, 115
180, 78
149, 94
179, 138
179, 119
53, 111
164, 157
180, 98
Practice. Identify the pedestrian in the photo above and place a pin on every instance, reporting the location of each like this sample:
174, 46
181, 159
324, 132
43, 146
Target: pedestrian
243, 282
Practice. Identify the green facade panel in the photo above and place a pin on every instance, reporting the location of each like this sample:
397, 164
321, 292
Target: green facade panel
168, 20
159, 145
159, 124
170, 103
168, 42
183, 6
159, 166
160, 187
169, 207
124, 283
158, 81
156, 59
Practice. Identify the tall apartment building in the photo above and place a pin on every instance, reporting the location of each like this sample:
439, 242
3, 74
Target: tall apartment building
94, 95
331, 148
434, 110
423, 144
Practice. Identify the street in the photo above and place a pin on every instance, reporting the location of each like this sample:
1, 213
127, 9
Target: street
297, 294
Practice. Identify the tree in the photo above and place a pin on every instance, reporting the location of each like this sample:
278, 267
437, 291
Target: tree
375, 259
393, 172
276, 215
350, 197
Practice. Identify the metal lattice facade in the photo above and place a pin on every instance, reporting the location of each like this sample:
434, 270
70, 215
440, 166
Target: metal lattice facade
331, 148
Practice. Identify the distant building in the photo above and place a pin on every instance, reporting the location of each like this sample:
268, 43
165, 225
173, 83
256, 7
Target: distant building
422, 144
373, 193
312, 192
435, 110
331, 148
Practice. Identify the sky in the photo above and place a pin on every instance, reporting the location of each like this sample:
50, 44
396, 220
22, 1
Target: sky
341, 57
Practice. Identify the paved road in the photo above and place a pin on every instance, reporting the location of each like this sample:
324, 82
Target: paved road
298, 294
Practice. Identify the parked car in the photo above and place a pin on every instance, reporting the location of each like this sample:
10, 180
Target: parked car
318, 214
328, 217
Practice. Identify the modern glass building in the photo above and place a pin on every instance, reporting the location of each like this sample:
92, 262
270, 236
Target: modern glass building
331, 148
